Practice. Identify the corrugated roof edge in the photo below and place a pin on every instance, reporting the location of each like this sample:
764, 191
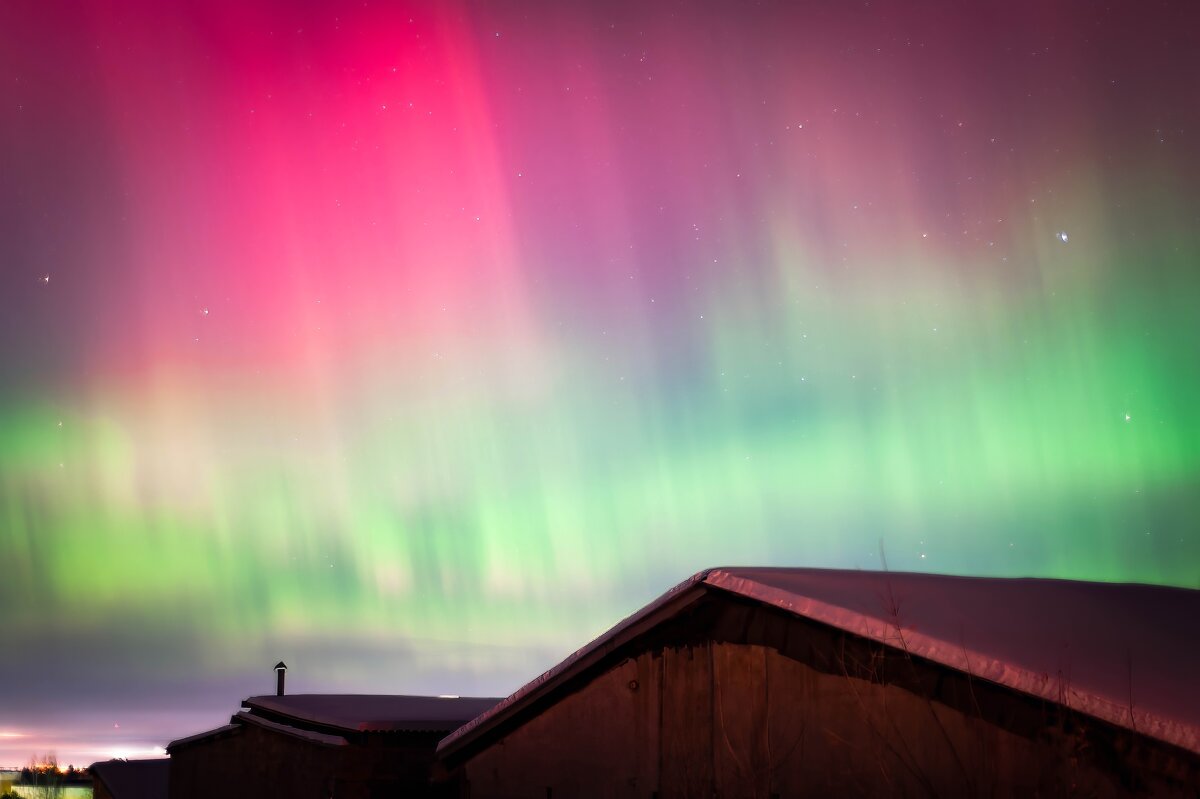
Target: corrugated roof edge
307, 735
958, 657
227, 729
635, 623
942, 652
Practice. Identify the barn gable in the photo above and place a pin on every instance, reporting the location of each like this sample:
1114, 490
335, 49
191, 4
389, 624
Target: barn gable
737, 682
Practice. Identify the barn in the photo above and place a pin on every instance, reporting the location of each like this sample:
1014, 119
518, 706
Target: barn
807, 682
318, 746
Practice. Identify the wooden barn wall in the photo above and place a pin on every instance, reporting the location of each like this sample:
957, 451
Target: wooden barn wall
735, 719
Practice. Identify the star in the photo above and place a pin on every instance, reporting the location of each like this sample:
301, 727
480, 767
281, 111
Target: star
204, 311
46, 278
1062, 236
1127, 417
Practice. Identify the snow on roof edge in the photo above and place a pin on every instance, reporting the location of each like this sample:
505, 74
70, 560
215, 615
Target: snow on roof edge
349, 722
948, 654
958, 657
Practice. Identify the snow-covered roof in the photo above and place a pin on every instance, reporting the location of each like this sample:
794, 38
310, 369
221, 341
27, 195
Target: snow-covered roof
1125, 653
373, 713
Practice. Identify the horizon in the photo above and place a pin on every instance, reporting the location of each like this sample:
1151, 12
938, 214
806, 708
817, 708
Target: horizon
416, 346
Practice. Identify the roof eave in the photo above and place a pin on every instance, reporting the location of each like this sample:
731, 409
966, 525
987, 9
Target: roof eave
297, 717
455, 746
641, 621
318, 738
201, 737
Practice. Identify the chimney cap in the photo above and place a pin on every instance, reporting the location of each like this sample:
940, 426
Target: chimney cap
281, 666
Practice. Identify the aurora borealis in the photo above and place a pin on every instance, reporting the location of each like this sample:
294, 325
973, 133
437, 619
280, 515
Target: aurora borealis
416, 344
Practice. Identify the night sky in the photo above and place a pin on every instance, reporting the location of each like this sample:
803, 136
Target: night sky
415, 346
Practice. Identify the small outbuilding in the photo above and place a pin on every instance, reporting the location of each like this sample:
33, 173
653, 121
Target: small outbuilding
319, 746
805, 682
130, 779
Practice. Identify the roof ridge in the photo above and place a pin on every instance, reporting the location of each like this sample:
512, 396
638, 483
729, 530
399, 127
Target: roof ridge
1000, 667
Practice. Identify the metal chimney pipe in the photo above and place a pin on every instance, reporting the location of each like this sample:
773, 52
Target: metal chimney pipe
280, 670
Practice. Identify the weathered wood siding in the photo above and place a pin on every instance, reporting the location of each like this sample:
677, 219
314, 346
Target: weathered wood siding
743, 720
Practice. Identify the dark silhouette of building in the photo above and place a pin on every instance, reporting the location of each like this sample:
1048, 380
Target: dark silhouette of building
803, 682
319, 746
130, 779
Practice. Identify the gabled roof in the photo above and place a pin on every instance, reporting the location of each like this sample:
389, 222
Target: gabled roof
207, 735
371, 713
133, 779
1124, 653
320, 738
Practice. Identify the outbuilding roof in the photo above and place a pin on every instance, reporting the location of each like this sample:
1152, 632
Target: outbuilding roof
202, 737
133, 779
372, 713
1124, 653
319, 738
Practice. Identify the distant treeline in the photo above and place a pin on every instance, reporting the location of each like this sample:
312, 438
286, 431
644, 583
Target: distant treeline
32, 776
